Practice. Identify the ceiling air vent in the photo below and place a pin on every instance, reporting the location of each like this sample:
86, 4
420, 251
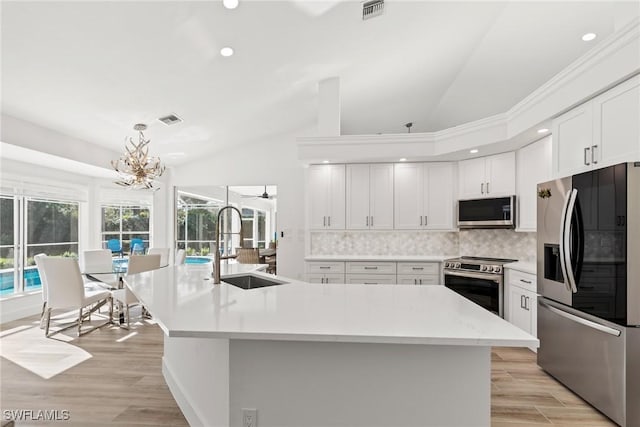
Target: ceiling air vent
171, 119
371, 9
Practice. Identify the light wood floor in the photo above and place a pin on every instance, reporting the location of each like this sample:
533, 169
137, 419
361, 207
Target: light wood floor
121, 383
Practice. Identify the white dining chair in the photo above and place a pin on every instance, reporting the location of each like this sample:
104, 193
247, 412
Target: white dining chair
65, 289
96, 262
43, 280
163, 252
137, 264
181, 256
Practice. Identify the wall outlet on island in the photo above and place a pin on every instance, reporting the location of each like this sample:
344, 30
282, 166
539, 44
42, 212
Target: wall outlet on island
249, 417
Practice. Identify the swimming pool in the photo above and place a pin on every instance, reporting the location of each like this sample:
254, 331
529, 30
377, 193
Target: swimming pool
198, 259
31, 281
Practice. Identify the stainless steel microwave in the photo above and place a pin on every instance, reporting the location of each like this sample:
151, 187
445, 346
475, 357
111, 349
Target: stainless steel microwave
498, 212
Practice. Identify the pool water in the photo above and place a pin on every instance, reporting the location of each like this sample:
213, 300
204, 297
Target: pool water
197, 260
31, 281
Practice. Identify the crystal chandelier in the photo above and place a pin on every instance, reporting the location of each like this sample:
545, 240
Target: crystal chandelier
136, 168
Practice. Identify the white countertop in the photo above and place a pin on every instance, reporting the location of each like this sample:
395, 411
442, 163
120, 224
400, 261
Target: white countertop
524, 266
184, 301
391, 258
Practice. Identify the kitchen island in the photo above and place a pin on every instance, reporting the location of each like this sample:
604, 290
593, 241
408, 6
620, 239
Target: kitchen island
323, 355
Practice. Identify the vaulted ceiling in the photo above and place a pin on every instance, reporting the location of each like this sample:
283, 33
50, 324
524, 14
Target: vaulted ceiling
93, 69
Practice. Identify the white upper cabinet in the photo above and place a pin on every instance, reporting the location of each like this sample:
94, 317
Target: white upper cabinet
600, 132
533, 167
424, 196
369, 196
326, 196
616, 123
492, 176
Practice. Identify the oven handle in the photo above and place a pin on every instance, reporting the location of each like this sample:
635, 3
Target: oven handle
491, 277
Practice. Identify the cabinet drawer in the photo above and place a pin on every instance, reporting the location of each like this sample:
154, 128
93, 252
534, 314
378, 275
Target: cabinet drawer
413, 279
371, 267
371, 279
325, 267
415, 268
523, 280
325, 278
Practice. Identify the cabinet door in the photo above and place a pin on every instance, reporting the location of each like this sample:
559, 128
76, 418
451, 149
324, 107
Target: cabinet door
438, 196
357, 197
519, 308
318, 196
408, 192
500, 175
336, 197
617, 123
373, 279
533, 167
381, 196
407, 279
572, 141
471, 178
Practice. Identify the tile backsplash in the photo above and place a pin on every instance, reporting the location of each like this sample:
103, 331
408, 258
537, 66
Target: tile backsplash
488, 243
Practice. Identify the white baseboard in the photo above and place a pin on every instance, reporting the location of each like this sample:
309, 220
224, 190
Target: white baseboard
19, 306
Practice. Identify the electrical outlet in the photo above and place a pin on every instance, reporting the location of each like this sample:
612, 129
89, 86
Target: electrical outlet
249, 417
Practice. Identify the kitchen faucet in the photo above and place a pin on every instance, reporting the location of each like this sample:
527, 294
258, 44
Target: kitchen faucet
216, 256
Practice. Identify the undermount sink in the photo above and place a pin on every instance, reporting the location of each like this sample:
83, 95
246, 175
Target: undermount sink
250, 281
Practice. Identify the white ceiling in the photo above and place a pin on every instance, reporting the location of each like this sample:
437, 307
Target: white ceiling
93, 69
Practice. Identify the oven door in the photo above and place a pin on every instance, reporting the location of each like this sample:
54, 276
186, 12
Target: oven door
483, 289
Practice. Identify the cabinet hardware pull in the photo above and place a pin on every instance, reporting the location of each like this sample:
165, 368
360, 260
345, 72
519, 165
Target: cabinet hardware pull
372, 220
370, 283
425, 220
324, 221
482, 188
329, 221
420, 220
367, 220
324, 267
521, 301
586, 149
421, 281
415, 281
525, 281
526, 303
417, 268
370, 268
487, 188
594, 160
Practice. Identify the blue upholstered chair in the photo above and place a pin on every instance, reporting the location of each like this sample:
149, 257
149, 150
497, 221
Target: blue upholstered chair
115, 246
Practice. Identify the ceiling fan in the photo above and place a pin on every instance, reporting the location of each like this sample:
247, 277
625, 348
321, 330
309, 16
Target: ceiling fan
264, 195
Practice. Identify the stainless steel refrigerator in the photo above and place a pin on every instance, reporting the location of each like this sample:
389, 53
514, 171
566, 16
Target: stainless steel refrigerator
588, 265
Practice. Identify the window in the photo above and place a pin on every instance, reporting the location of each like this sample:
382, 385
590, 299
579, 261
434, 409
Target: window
254, 229
124, 223
196, 224
49, 226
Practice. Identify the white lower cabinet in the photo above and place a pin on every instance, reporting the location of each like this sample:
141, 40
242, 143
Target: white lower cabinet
418, 273
522, 304
324, 272
374, 272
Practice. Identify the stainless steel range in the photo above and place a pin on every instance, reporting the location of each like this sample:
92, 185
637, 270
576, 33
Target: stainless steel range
479, 279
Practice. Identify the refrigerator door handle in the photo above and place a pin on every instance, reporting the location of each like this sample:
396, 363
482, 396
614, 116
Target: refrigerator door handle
563, 267
582, 321
567, 241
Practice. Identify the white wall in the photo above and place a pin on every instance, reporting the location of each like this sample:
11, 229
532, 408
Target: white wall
272, 162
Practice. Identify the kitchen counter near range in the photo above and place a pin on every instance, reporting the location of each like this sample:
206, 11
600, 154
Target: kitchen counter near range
380, 258
524, 266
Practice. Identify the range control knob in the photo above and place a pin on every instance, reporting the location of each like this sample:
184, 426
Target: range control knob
446, 265
483, 268
458, 265
497, 269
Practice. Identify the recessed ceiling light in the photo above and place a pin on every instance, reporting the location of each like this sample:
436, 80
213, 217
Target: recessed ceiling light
325, 161
403, 159
230, 4
474, 151
588, 37
226, 51
543, 130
